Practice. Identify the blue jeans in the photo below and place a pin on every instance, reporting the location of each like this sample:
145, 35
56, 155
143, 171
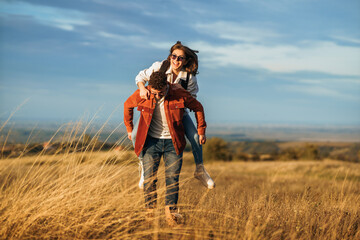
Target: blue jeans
153, 150
190, 133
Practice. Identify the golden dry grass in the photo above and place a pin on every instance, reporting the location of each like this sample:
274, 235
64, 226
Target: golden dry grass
94, 195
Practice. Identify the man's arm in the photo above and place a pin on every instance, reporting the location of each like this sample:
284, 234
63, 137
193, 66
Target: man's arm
129, 106
195, 105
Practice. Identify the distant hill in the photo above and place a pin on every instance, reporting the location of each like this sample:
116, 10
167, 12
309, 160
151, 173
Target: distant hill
32, 132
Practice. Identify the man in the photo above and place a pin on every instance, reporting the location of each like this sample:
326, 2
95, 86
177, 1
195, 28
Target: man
161, 133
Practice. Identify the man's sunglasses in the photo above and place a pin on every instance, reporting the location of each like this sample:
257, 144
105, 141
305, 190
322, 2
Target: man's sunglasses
178, 58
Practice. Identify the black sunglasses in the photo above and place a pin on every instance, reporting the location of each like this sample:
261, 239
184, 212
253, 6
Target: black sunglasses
178, 58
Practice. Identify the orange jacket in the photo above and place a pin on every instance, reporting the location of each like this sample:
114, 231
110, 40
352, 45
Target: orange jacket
176, 100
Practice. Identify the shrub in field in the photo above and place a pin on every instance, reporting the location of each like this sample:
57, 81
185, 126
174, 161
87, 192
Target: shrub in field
217, 149
351, 154
288, 154
309, 152
240, 155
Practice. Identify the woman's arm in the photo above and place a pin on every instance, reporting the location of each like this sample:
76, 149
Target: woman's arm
193, 87
144, 93
144, 76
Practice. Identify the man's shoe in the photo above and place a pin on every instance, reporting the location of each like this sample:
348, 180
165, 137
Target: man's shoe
173, 219
202, 175
141, 171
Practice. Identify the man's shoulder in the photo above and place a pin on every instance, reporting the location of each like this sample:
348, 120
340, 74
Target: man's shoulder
136, 93
134, 97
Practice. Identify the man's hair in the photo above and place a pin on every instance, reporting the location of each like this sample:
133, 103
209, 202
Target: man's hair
158, 80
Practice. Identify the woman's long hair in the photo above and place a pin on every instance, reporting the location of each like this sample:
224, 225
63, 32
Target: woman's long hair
192, 64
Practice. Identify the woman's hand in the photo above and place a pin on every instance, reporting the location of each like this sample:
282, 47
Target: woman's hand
129, 135
144, 93
202, 139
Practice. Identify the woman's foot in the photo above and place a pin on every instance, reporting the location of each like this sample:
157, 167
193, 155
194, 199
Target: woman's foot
202, 175
173, 219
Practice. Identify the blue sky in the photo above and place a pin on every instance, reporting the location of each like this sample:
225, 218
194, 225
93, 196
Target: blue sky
261, 61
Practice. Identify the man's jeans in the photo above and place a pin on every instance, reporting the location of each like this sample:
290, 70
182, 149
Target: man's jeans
153, 150
190, 133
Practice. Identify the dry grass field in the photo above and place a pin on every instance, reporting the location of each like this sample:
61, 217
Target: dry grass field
94, 195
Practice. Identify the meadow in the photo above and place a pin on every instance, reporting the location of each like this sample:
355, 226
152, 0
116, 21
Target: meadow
94, 195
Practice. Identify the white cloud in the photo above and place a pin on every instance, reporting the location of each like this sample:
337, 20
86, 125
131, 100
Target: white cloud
347, 39
161, 45
123, 38
235, 31
66, 27
131, 27
317, 56
334, 87
319, 91
260, 47
326, 81
54, 17
146, 8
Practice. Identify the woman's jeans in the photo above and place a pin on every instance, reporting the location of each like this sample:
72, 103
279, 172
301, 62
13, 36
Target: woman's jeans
152, 152
190, 133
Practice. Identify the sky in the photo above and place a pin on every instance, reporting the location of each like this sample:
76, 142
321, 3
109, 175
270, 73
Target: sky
260, 61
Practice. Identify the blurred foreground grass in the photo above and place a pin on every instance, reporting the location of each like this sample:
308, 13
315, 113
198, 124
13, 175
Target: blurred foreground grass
94, 195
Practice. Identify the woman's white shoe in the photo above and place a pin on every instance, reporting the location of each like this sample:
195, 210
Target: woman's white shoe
203, 176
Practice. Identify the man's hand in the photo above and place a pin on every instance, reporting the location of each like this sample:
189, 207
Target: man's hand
129, 135
202, 139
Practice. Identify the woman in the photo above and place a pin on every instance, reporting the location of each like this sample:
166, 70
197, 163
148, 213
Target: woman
180, 67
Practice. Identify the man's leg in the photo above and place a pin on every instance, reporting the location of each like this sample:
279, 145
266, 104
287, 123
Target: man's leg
151, 158
173, 164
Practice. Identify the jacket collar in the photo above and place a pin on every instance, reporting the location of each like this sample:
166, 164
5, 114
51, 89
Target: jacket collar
182, 73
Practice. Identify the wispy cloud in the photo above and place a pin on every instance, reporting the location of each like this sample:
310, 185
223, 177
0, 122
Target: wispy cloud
351, 82
63, 19
319, 91
263, 47
131, 27
271, 5
345, 88
236, 31
129, 39
317, 56
147, 8
347, 39
161, 45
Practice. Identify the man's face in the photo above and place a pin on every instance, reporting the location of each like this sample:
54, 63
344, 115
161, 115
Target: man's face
158, 94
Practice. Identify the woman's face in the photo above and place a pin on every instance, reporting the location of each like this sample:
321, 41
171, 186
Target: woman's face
177, 60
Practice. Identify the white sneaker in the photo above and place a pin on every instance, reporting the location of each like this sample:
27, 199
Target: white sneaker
141, 171
203, 176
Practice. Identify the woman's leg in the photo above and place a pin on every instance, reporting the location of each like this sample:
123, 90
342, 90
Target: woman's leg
141, 167
193, 137
191, 134
134, 132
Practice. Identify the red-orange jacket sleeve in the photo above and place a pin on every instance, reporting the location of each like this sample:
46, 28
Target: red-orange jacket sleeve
129, 106
195, 105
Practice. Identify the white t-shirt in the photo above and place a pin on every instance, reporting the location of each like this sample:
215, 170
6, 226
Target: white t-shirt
158, 126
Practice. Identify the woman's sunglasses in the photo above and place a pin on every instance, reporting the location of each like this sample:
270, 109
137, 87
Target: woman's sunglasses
178, 58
